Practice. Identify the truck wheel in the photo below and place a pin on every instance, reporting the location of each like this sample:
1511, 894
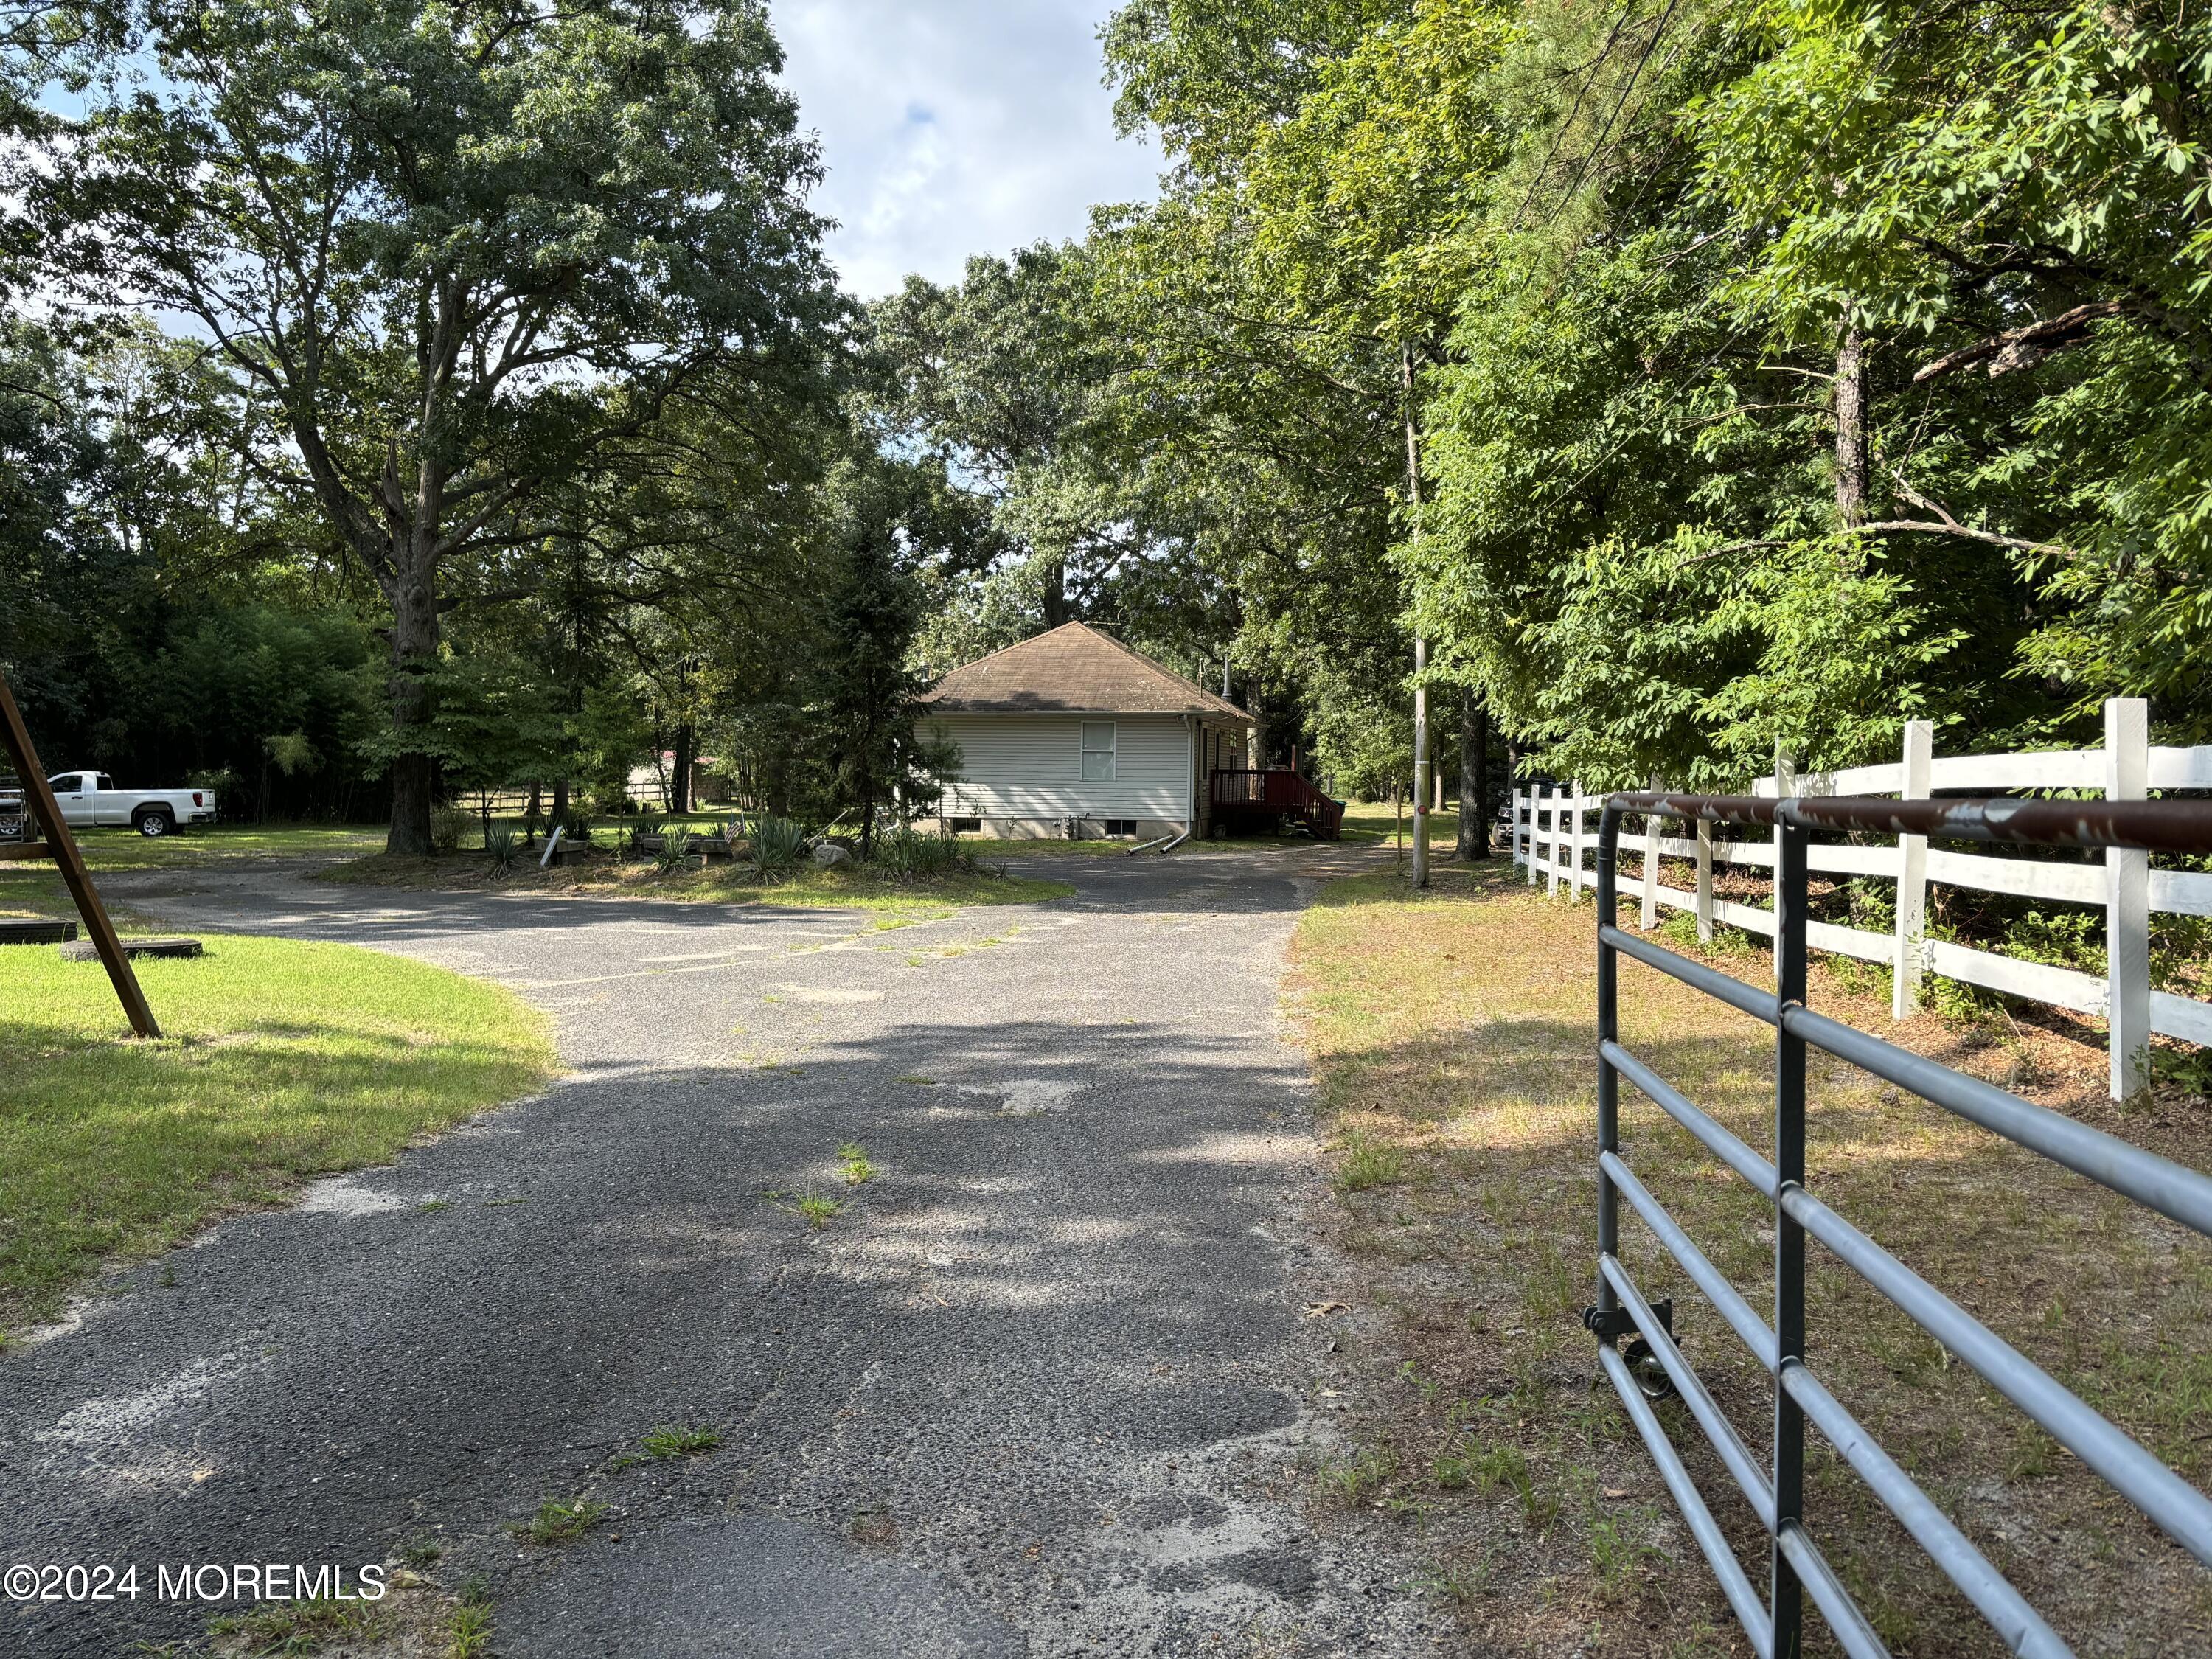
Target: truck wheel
152, 822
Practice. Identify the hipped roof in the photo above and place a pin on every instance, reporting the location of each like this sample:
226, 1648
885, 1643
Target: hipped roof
1074, 669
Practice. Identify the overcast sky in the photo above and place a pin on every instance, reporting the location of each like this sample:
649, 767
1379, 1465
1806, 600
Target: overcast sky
955, 126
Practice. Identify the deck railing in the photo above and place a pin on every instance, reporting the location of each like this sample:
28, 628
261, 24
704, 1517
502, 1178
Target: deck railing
1278, 789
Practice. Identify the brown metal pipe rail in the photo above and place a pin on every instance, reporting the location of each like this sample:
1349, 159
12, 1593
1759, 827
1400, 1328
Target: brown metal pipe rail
2153, 826
1776, 1494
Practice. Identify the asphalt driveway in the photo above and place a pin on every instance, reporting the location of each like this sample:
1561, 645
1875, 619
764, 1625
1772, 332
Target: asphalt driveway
1037, 1390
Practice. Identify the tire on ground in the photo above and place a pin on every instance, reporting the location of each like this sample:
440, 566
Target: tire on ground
153, 821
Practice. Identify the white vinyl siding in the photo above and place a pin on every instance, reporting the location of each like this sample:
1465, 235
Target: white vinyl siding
1031, 766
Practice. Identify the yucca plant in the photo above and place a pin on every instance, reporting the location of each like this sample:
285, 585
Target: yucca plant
676, 851
648, 823
909, 854
778, 844
502, 848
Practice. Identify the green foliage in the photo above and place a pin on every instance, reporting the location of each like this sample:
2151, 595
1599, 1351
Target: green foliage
1353, 1480
1636, 259
910, 854
489, 291
867, 711
778, 845
560, 1521
1368, 1162
503, 848
676, 851
680, 1441
449, 825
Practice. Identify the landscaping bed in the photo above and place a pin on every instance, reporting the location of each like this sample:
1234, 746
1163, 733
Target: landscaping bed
1452, 1034
281, 1062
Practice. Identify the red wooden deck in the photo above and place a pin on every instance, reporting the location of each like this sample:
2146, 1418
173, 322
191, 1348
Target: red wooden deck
1263, 799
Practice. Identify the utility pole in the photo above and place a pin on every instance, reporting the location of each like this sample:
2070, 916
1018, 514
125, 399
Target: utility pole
1420, 648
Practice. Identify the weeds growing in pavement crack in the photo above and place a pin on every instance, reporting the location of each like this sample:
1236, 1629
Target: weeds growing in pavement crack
560, 1521
679, 1441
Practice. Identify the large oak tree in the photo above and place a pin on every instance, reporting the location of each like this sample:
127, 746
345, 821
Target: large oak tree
461, 254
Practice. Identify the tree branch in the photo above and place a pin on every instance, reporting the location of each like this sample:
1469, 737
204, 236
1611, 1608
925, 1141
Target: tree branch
2026, 346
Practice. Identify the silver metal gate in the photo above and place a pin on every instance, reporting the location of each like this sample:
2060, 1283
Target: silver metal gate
1654, 1363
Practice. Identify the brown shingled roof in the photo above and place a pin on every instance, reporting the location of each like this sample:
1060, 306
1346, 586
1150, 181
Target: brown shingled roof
1073, 669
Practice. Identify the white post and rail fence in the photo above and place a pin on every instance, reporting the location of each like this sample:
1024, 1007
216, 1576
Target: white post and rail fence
1555, 838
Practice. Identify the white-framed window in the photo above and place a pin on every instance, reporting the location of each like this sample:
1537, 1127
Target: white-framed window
1098, 752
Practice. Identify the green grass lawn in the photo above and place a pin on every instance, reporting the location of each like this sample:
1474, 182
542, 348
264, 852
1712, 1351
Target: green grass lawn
805, 888
281, 1062
36, 889
1373, 821
118, 850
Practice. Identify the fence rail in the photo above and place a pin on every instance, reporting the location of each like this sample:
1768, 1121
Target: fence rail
1552, 837
1655, 1365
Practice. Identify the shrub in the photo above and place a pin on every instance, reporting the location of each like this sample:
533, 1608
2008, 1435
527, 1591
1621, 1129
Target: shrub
501, 847
909, 854
676, 851
448, 824
649, 824
575, 825
777, 845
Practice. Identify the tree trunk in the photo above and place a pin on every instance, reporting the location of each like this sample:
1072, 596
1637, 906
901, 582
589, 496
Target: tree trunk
414, 657
1851, 423
535, 812
560, 800
1263, 726
1056, 608
679, 783
1474, 779
1422, 766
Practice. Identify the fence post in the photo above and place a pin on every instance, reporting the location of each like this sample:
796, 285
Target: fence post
1575, 847
1608, 1083
1913, 875
1551, 844
1786, 1596
2127, 912
1528, 804
1785, 785
1705, 883
1650, 866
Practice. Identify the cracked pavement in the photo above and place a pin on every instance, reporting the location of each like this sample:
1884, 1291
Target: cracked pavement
1040, 1388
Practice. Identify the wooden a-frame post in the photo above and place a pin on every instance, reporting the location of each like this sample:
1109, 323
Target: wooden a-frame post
53, 841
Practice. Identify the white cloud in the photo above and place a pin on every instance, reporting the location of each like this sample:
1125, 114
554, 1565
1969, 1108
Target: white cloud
953, 127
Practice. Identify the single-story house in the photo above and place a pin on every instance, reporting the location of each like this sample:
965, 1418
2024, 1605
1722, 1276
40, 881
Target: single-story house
1073, 735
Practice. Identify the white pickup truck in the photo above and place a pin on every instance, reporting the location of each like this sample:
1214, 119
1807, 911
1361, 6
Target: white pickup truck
91, 799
